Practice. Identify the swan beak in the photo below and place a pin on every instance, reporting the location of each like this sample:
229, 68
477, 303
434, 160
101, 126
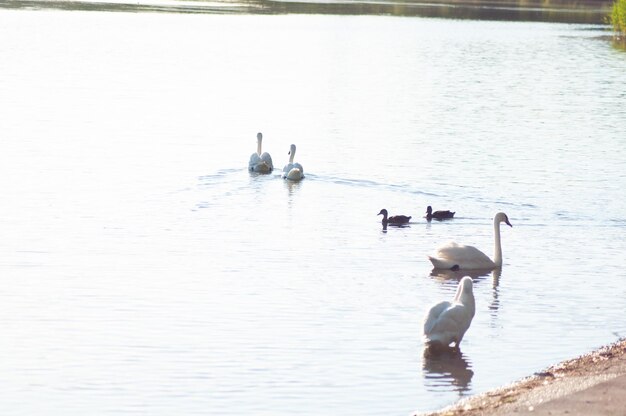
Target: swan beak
508, 223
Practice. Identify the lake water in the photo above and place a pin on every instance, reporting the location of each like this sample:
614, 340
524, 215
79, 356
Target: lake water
145, 271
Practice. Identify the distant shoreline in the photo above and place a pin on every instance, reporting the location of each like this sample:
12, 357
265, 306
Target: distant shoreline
561, 11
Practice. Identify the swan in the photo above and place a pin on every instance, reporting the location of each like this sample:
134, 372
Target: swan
293, 171
438, 215
446, 322
395, 220
460, 257
261, 163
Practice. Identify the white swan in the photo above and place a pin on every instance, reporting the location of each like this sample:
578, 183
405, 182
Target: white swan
460, 257
293, 171
446, 322
261, 163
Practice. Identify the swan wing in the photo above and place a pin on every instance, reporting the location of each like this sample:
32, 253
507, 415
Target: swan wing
294, 174
265, 157
465, 257
299, 166
257, 164
451, 324
254, 160
288, 167
433, 315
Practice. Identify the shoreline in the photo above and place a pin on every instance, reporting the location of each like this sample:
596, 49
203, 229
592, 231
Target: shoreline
556, 11
593, 383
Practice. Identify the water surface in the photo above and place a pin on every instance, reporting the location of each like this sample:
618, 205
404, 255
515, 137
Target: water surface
146, 271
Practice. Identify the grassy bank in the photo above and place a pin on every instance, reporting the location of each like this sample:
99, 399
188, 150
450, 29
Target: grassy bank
618, 20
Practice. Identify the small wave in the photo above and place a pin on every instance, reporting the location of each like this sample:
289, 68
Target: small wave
505, 203
367, 183
220, 174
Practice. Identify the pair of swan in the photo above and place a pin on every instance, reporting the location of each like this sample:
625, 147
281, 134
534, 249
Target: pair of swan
446, 322
262, 162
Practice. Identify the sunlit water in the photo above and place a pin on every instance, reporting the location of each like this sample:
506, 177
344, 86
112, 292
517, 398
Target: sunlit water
145, 271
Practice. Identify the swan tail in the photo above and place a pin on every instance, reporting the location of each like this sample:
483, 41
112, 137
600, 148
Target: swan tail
261, 167
443, 263
299, 166
439, 340
265, 157
294, 174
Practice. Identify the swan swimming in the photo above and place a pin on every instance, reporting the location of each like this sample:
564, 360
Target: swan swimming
395, 220
446, 322
438, 215
260, 163
293, 171
460, 257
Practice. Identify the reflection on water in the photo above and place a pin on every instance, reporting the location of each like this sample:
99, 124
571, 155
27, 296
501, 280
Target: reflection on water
619, 44
456, 275
292, 187
449, 368
495, 301
387, 224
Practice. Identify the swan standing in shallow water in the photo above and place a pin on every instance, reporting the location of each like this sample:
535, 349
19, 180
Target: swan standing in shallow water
460, 257
446, 322
261, 163
293, 171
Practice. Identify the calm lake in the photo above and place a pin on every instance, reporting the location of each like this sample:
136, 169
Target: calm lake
145, 271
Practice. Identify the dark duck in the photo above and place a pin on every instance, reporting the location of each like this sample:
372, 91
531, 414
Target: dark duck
395, 220
438, 215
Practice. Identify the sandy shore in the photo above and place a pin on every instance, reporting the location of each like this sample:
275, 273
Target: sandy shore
592, 384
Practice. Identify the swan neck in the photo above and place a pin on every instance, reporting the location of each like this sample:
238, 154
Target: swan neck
258, 146
466, 298
291, 156
458, 297
468, 301
497, 256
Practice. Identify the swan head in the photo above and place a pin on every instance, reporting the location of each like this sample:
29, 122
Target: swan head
429, 210
383, 212
259, 136
467, 285
292, 150
502, 217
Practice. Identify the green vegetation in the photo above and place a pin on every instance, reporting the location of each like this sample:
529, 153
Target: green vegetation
618, 19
